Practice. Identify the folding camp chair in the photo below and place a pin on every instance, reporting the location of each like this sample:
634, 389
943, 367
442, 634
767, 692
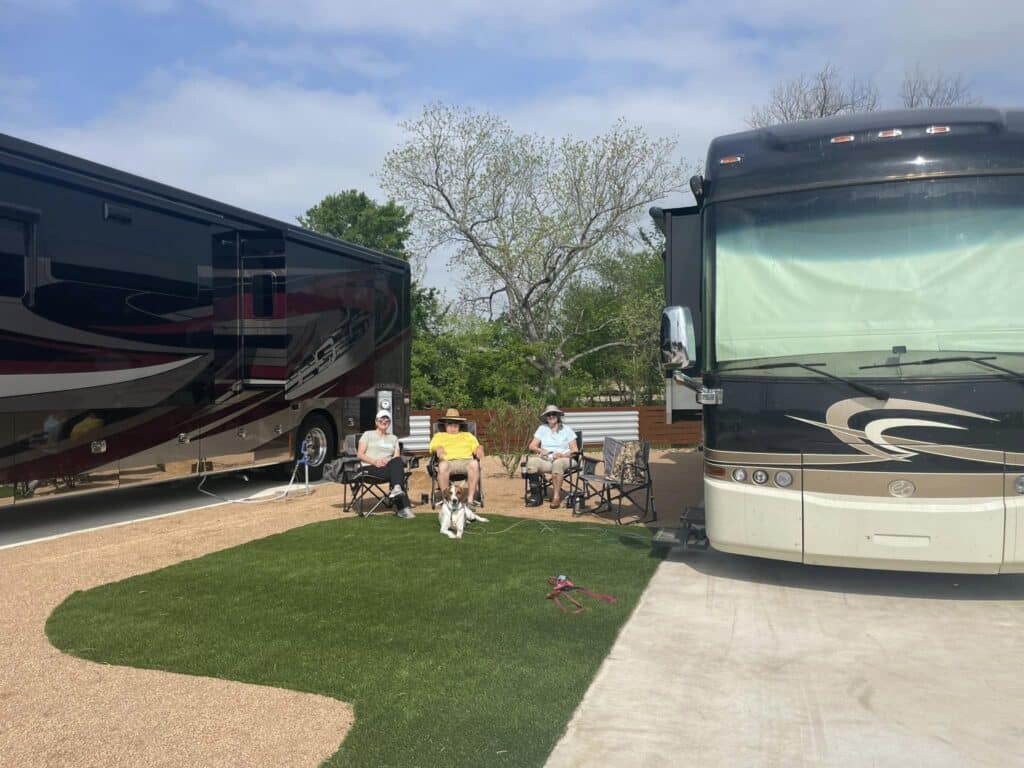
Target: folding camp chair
571, 478
435, 483
354, 477
626, 474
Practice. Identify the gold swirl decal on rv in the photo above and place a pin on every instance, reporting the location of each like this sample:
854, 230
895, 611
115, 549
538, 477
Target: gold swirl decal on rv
873, 440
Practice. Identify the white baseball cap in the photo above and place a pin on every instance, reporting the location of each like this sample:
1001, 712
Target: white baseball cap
383, 415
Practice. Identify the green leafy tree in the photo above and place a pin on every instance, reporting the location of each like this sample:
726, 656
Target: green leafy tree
438, 369
353, 216
525, 216
624, 304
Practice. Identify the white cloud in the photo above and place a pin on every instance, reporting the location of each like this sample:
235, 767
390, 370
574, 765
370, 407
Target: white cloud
717, 47
458, 18
691, 119
333, 59
275, 150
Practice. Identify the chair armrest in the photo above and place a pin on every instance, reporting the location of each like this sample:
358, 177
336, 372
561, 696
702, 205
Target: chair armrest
590, 463
411, 462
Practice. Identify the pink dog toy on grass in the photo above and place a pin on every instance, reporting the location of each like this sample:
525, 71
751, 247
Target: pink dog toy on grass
563, 588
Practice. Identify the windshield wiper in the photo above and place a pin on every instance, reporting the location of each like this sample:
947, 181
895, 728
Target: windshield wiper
983, 361
878, 394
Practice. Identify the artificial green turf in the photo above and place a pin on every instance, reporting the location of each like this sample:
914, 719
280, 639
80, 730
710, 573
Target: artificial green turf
447, 649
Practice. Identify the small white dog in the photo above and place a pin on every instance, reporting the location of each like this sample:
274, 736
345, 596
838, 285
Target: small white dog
453, 514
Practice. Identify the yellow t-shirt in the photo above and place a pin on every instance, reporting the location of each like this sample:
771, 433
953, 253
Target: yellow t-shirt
458, 446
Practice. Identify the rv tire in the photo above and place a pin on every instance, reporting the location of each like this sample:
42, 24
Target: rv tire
323, 445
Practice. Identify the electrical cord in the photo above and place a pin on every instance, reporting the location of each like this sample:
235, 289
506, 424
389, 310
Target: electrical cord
258, 498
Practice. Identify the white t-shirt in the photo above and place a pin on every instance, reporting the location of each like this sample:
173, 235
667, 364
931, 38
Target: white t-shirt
379, 446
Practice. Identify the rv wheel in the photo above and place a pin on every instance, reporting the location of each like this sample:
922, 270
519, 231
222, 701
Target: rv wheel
318, 436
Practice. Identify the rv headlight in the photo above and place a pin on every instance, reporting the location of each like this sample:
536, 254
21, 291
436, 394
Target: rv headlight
783, 479
760, 476
1018, 485
739, 475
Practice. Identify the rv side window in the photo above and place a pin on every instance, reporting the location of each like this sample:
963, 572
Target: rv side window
263, 295
13, 238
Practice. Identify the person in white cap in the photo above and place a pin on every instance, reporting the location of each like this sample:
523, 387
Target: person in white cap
379, 451
552, 445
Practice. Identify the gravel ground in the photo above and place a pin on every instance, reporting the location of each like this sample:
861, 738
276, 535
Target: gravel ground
56, 710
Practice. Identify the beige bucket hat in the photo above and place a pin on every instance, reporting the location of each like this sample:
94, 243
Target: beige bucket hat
452, 414
551, 409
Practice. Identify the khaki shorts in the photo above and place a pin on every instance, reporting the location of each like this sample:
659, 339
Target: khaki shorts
458, 466
537, 464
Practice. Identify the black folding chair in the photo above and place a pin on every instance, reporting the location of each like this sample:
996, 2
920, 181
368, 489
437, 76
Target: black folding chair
571, 477
435, 483
355, 478
625, 476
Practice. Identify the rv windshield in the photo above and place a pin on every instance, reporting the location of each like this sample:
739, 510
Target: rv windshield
873, 274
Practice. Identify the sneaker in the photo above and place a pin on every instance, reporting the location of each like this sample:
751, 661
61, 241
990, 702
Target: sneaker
405, 513
396, 490
476, 503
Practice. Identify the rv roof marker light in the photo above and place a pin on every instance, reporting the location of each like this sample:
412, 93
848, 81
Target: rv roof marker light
931, 130
890, 133
845, 139
731, 160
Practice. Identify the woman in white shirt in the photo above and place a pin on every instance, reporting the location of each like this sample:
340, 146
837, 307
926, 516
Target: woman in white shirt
551, 448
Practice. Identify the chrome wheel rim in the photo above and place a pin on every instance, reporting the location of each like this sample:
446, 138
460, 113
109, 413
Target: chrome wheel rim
316, 446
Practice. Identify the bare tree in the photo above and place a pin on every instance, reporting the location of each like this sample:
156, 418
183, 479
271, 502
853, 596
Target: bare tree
527, 216
935, 89
821, 94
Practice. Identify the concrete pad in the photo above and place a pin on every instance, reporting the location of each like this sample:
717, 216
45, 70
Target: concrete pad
731, 661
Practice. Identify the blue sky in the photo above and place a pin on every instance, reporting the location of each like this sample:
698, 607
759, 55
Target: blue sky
271, 105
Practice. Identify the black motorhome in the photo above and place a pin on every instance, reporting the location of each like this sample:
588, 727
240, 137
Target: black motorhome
844, 301
147, 333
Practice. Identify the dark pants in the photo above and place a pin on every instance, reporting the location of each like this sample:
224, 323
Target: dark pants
393, 471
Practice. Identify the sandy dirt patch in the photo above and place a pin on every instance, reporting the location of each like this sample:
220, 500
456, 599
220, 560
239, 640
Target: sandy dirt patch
56, 710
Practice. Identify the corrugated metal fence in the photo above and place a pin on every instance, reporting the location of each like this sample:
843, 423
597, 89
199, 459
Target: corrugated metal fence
595, 425
647, 421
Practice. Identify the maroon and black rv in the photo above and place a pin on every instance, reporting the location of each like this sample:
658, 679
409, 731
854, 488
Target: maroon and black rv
148, 334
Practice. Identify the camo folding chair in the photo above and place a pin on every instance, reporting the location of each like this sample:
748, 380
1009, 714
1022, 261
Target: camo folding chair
625, 476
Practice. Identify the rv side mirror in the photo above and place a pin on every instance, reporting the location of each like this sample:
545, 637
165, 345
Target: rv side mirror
677, 338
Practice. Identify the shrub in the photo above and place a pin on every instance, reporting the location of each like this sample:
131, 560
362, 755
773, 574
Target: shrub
509, 431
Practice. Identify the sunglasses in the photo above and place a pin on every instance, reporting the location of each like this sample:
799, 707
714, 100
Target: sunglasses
384, 419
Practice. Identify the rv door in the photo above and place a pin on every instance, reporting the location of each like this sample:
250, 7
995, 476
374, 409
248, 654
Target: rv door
264, 326
249, 312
